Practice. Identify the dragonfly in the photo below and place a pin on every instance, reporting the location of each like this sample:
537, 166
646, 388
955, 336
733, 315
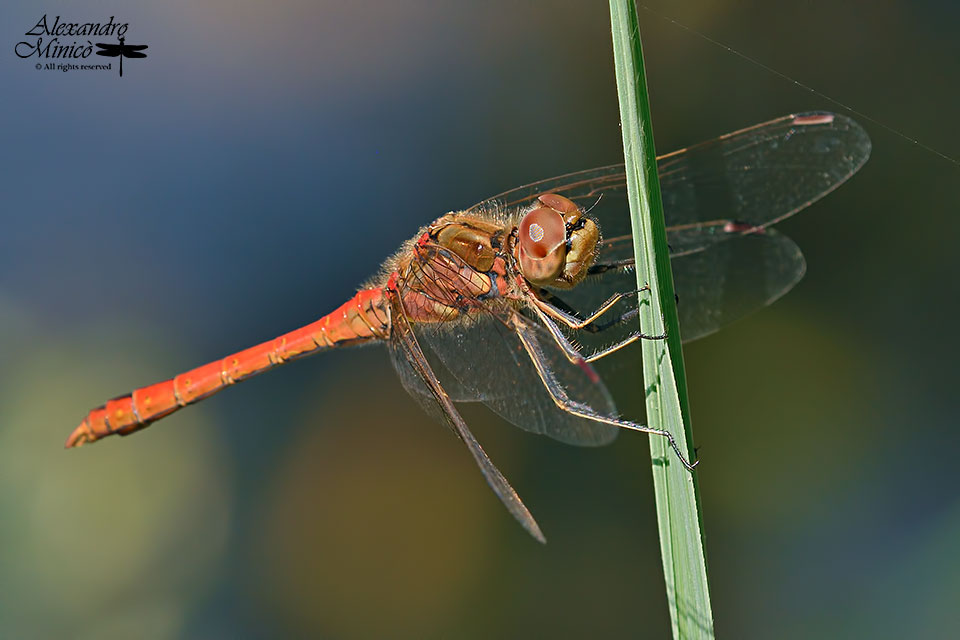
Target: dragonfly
122, 51
517, 301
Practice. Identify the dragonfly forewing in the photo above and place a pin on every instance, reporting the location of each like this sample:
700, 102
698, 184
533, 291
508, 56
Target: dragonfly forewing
761, 175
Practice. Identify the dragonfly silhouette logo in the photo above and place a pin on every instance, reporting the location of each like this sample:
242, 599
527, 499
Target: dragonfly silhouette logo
122, 51
66, 46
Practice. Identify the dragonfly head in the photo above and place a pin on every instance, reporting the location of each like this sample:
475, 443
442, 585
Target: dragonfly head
556, 242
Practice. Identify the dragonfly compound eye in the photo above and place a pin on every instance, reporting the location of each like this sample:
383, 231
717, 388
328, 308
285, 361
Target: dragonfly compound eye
564, 206
542, 240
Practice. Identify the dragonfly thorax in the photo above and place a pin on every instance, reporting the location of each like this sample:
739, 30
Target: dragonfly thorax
474, 240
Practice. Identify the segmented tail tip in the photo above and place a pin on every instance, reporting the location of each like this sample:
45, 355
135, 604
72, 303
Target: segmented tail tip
79, 436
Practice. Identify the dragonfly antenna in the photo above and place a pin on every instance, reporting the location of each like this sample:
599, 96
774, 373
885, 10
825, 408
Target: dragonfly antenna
803, 86
599, 197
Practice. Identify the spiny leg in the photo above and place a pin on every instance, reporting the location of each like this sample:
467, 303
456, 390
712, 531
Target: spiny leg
623, 264
571, 320
564, 403
559, 304
573, 354
616, 265
551, 304
591, 325
633, 337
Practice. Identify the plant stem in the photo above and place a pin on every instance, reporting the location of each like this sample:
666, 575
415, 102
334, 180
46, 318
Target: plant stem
677, 497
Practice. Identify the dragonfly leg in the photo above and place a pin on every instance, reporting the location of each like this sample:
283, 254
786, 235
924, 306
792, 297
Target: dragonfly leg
564, 403
547, 312
572, 320
591, 323
615, 265
556, 308
573, 354
603, 353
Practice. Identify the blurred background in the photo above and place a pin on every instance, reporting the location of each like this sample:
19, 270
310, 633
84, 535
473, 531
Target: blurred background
265, 158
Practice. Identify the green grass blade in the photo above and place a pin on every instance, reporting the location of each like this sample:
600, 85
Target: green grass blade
678, 512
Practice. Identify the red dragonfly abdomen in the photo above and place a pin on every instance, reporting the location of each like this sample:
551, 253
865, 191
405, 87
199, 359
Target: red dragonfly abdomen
363, 318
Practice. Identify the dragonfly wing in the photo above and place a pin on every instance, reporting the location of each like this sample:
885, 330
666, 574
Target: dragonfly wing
764, 173
134, 54
759, 175
732, 280
487, 358
414, 385
580, 382
418, 377
750, 178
